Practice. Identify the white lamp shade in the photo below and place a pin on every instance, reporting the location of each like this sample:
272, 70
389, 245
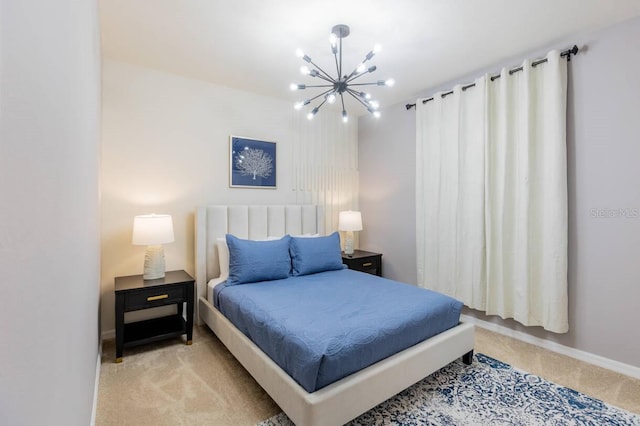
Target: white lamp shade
152, 229
350, 221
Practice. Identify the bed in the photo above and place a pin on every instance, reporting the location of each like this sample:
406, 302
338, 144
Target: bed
334, 402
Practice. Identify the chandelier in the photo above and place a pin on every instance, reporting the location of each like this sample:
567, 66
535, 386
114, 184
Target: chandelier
342, 84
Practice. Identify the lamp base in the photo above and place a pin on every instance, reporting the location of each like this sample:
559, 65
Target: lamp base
154, 265
348, 243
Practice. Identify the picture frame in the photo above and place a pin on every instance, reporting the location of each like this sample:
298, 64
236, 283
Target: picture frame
252, 163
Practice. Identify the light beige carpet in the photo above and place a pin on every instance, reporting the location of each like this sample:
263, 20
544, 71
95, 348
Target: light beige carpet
169, 383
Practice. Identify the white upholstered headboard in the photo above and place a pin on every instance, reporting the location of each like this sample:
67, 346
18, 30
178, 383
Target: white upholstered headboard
250, 222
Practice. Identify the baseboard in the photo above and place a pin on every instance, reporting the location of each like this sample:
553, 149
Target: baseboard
597, 360
96, 386
108, 334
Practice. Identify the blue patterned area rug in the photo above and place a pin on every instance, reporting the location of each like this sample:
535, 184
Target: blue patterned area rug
488, 392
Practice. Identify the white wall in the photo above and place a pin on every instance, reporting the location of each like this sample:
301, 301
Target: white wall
166, 150
603, 151
49, 214
387, 191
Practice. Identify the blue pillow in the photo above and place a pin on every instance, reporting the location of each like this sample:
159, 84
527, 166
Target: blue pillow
311, 255
253, 261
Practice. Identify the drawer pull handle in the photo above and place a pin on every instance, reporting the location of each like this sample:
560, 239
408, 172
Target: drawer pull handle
367, 264
162, 296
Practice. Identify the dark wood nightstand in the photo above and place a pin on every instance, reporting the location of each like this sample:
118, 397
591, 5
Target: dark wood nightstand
364, 261
134, 293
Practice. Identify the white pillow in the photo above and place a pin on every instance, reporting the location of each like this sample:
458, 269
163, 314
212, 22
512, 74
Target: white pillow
306, 236
223, 257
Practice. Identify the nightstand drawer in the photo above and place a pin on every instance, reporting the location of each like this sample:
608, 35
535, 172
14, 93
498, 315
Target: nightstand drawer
364, 265
156, 297
364, 261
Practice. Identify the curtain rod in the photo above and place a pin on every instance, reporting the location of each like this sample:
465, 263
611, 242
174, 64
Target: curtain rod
567, 53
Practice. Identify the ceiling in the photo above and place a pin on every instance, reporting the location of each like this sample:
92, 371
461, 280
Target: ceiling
250, 44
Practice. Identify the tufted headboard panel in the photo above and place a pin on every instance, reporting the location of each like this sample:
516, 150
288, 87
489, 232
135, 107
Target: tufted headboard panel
249, 222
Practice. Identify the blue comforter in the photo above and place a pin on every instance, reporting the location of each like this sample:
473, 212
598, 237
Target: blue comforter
322, 327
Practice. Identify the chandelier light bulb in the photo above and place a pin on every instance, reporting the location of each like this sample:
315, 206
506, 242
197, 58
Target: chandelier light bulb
374, 104
345, 118
333, 39
361, 68
300, 54
331, 98
299, 105
376, 114
372, 53
304, 70
293, 86
390, 82
312, 113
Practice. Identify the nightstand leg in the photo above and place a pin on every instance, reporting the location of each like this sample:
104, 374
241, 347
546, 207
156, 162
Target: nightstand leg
190, 303
119, 326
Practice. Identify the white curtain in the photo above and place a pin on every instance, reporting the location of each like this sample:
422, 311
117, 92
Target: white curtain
450, 194
325, 163
492, 194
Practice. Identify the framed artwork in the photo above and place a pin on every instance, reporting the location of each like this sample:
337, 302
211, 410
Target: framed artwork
252, 163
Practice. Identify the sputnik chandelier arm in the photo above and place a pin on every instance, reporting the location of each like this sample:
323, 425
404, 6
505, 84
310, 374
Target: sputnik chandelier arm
341, 84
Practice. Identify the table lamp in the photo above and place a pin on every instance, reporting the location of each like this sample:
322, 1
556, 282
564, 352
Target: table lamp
349, 221
153, 230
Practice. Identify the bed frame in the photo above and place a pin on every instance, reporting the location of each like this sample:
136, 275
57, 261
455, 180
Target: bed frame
345, 399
